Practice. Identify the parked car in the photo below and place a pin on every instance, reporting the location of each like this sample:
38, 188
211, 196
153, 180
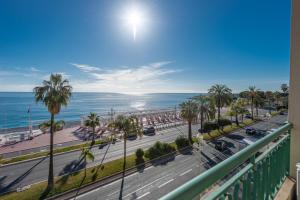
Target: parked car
220, 145
250, 131
149, 131
248, 115
281, 113
102, 145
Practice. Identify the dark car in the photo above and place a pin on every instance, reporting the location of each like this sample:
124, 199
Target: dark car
282, 113
248, 115
220, 145
149, 131
250, 131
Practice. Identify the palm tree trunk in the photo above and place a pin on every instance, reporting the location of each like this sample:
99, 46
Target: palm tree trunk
201, 116
124, 162
256, 107
190, 131
252, 113
50, 175
93, 139
237, 120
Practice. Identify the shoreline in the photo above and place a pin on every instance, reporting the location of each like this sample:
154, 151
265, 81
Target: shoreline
72, 124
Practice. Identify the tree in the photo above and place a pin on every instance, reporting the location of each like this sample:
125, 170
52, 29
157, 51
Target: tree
189, 112
126, 125
254, 98
277, 96
270, 99
57, 125
235, 109
203, 106
211, 109
285, 89
231, 114
87, 154
54, 93
93, 121
222, 96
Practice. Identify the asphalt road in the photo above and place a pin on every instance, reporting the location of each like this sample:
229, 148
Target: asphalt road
26, 173
156, 181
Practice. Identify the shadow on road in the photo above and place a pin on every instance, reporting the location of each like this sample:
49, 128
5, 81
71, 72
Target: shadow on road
208, 163
234, 136
19, 179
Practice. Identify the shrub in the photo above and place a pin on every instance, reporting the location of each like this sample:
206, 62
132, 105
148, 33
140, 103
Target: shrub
224, 122
159, 149
139, 153
182, 142
209, 126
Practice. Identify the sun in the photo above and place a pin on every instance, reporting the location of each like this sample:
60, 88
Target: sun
135, 20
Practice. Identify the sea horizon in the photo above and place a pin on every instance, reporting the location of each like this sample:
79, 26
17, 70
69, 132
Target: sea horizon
18, 107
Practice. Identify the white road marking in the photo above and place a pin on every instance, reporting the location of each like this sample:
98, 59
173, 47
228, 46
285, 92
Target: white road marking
143, 187
185, 172
165, 183
143, 195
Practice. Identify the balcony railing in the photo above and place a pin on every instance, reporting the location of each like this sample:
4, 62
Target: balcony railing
256, 176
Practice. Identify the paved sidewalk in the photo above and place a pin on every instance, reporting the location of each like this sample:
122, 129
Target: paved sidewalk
63, 136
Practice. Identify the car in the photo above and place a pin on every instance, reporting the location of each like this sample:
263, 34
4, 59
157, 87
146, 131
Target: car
281, 113
102, 145
149, 131
250, 131
248, 116
220, 145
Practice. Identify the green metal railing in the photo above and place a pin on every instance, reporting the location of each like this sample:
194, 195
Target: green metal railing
258, 177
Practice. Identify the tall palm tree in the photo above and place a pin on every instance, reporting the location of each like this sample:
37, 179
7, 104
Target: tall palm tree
270, 98
203, 102
222, 96
93, 121
212, 108
127, 125
277, 96
235, 109
252, 95
189, 112
54, 93
57, 125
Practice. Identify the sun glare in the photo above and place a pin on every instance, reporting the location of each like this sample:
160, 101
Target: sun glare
135, 19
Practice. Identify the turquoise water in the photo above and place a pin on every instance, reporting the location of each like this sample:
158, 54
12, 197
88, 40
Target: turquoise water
14, 106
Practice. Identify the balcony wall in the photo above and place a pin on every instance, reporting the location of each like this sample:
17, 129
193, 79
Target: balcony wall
294, 98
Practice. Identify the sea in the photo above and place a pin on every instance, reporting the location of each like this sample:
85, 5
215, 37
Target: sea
17, 109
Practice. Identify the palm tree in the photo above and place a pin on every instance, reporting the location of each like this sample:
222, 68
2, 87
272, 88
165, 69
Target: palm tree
222, 96
211, 109
231, 114
57, 125
285, 88
252, 95
270, 99
189, 112
87, 154
203, 102
127, 125
54, 93
235, 109
277, 96
93, 121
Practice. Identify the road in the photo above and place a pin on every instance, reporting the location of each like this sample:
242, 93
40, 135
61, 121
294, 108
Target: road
156, 181
26, 173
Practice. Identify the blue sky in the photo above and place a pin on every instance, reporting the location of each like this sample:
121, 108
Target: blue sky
180, 46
